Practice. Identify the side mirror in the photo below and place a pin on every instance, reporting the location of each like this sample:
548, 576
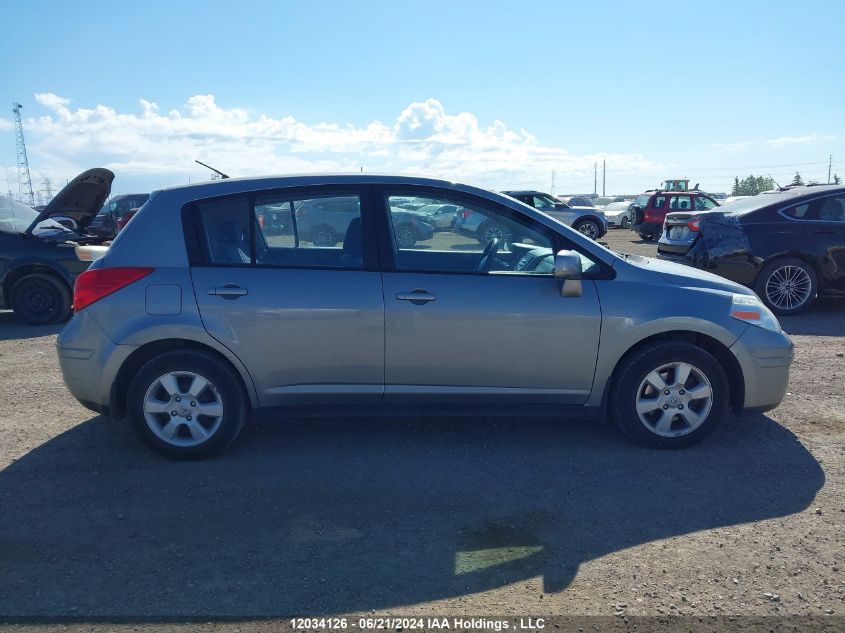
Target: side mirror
568, 269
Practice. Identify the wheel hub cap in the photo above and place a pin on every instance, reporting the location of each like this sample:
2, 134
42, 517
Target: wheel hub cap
183, 408
674, 399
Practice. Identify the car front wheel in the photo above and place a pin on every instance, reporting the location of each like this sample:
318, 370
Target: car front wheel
187, 404
788, 286
669, 395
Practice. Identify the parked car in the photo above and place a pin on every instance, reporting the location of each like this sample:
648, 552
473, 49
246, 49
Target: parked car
789, 247
577, 201
618, 214
324, 222
104, 224
650, 209
586, 219
124, 220
187, 338
441, 216
38, 259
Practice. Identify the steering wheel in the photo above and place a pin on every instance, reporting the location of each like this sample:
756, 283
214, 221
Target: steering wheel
487, 255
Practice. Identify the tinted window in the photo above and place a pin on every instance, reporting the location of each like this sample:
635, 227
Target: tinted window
832, 209
703, 204
659, 202
306, 231
680, 203
460, 247
642, 201
798, 212
542, 203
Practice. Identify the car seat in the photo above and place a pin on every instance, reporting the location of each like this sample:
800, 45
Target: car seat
230, 245
353, 246
832, 210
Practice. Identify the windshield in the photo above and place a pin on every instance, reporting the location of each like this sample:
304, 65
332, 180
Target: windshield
14, 216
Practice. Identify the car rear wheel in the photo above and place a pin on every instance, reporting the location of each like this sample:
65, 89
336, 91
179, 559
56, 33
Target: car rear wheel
40, 299
624, 222
589, 228
788, 286
405, 236
187, 405
323, 236
669, 395
494, 231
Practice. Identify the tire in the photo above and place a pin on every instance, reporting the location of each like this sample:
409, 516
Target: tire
590, 228
692, 419
323, 235
41, 299
490, 230
624, 223
775, 280
149, 404
405, 236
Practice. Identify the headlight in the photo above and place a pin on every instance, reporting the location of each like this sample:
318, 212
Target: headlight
750, 309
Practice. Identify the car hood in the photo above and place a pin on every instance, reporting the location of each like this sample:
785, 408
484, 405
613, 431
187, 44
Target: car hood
686, 276
81, 199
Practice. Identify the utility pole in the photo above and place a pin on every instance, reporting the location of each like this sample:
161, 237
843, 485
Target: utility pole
24, 181
829, 165
553, 182
603, 176
595, 177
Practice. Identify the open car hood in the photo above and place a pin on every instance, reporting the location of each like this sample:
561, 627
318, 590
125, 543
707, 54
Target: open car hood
80, 199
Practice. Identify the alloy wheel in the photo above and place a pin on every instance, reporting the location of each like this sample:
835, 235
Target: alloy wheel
589, 229
788, 287
674, 399
183, 408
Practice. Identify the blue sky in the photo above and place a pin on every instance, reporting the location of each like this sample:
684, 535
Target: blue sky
496, 93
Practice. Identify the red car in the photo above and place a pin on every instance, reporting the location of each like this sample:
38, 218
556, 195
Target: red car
651, 207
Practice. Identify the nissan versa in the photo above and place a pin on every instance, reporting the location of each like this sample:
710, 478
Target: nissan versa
220, 319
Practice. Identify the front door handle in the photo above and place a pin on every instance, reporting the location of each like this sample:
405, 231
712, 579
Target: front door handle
229, 291
417, 296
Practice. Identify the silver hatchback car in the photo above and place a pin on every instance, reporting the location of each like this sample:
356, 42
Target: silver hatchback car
196, 317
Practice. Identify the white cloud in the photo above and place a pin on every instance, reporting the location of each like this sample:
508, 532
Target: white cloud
424, 138
774, 143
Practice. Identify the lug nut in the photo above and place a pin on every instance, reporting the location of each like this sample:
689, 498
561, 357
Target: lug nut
666, 392
680, 406
682, 392
665, 406
189, 417
178, 399
173, 414
193, 404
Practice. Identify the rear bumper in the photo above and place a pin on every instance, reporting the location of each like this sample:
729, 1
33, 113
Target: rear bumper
89, 361
764, 358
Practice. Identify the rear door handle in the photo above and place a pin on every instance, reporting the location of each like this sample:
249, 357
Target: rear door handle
229, 291
417, 296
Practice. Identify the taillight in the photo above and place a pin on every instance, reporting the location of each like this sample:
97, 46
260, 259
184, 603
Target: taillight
466, 213
694, 225
93, 285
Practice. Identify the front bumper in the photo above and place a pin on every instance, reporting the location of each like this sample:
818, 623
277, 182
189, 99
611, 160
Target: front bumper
89, 361
764, 358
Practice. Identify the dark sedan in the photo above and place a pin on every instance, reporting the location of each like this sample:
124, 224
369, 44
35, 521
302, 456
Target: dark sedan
789, 246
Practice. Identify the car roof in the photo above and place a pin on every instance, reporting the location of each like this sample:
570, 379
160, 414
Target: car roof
525, 192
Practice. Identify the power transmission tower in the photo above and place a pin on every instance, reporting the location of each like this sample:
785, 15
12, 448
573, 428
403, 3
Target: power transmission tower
24, 181
46, 194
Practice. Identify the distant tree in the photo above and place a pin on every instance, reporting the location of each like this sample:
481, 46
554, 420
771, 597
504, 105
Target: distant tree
797, 181
752, 185
836, 179
735, 190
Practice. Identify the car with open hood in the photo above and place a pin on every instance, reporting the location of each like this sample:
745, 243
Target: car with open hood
788, 245
39, 251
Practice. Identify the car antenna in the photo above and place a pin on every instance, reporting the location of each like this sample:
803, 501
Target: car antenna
776, 184
219, 173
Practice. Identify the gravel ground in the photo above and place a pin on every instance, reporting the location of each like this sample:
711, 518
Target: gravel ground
448, 517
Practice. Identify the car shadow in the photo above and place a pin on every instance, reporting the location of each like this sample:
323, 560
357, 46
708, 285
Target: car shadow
334, 516
13, 328
825, 318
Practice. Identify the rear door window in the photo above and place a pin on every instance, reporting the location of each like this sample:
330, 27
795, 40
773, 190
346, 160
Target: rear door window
703, 203
680, 203
303, 231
